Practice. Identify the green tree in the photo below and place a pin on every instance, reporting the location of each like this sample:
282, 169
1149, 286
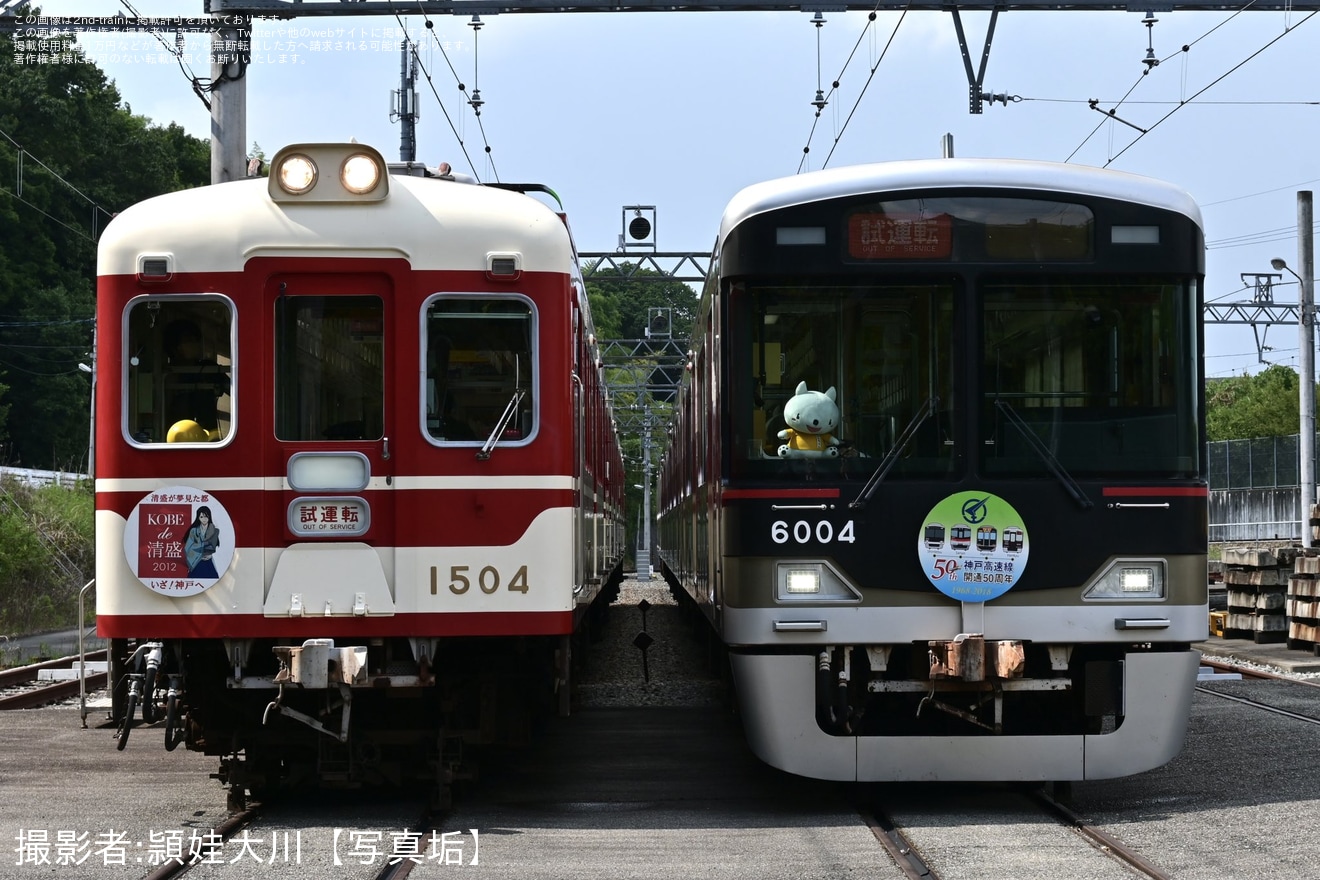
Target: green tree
620, 304
620, 307
79, 156
1264, 405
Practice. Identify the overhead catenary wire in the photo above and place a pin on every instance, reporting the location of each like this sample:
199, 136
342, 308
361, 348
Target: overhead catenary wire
1209, 86
1183, 50
1282, 233
430, 82
822, 100
202, 86
17, 193
1150, 65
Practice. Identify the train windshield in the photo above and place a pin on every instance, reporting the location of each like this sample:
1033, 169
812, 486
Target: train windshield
329, 368
179, 366
886, 352
1099, 376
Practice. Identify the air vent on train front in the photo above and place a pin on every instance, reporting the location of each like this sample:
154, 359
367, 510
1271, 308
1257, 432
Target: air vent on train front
155, 267
503, 267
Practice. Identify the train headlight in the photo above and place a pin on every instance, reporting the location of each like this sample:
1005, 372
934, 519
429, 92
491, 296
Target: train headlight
1128, 579
360, 173
297, 174
812, 581
353, 173
800, 581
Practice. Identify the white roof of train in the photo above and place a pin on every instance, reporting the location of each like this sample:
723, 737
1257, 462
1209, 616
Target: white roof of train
926, 174
434, 224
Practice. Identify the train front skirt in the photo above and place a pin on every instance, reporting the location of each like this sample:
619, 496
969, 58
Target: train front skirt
779, 714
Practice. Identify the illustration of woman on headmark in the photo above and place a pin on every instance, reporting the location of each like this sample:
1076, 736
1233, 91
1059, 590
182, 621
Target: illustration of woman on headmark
201, 543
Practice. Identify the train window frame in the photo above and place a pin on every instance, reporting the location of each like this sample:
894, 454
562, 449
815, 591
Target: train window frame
328, 389
935, 359
133, 380
1145, 385
429, 413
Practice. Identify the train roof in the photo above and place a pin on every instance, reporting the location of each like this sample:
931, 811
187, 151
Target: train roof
934, 174
432, 223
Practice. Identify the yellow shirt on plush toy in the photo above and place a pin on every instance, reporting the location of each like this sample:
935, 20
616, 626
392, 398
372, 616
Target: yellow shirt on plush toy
800, 442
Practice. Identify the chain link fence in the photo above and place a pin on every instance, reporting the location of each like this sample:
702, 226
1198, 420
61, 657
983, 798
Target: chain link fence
1260, 463
1254, 489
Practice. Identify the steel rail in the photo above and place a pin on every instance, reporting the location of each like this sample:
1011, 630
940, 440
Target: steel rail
51, 693
24, 674
1100, 839
217, 838
1256, 673
896, 843
429, 823
1309, 719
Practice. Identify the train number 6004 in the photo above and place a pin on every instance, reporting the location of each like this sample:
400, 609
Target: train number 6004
803, 531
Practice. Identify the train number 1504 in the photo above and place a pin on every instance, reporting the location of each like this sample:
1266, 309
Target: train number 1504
803, 532
488, 579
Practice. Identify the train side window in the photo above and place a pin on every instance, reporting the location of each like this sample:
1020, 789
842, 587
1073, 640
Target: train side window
179, 366
478, 359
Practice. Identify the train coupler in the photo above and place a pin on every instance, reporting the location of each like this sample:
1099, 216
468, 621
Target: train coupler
970, 657
345, 701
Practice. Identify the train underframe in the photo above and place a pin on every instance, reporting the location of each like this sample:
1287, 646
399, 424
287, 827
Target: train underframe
967, 710
337, 712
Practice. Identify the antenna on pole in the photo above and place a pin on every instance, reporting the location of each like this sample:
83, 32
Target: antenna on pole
403, 104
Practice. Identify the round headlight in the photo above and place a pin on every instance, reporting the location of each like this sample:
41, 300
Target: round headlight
360, 173
297, 174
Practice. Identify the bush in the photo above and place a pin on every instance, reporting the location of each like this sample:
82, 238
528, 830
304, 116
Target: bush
47, 541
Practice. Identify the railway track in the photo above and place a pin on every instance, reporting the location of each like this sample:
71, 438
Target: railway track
1259, 704
21, 687
916, 864
292, 838
921, 852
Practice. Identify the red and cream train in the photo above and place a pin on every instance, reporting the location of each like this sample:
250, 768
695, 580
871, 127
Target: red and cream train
357, 480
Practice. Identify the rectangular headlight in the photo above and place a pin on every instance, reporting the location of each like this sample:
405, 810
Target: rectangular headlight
1128, 579
800, 581
811, 581
1137, 580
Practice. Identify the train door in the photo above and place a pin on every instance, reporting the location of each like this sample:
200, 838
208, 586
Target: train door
580, 364
333, 376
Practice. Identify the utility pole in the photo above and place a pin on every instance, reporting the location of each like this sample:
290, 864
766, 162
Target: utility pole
1306, 365
231, 49
1306, 297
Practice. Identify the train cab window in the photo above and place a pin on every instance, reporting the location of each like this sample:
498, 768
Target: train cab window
329, 368
886, 350
479, 378
1097, 377
179, 363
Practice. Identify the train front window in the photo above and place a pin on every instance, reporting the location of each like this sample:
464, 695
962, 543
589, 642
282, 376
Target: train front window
478, 356
1101, 374
329, 368
179, 368
886, 350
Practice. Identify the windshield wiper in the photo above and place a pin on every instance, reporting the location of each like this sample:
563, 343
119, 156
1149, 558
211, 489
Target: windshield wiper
1041, 450
484, 452
904, 439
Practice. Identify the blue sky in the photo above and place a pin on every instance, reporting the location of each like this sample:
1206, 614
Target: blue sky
680, 110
